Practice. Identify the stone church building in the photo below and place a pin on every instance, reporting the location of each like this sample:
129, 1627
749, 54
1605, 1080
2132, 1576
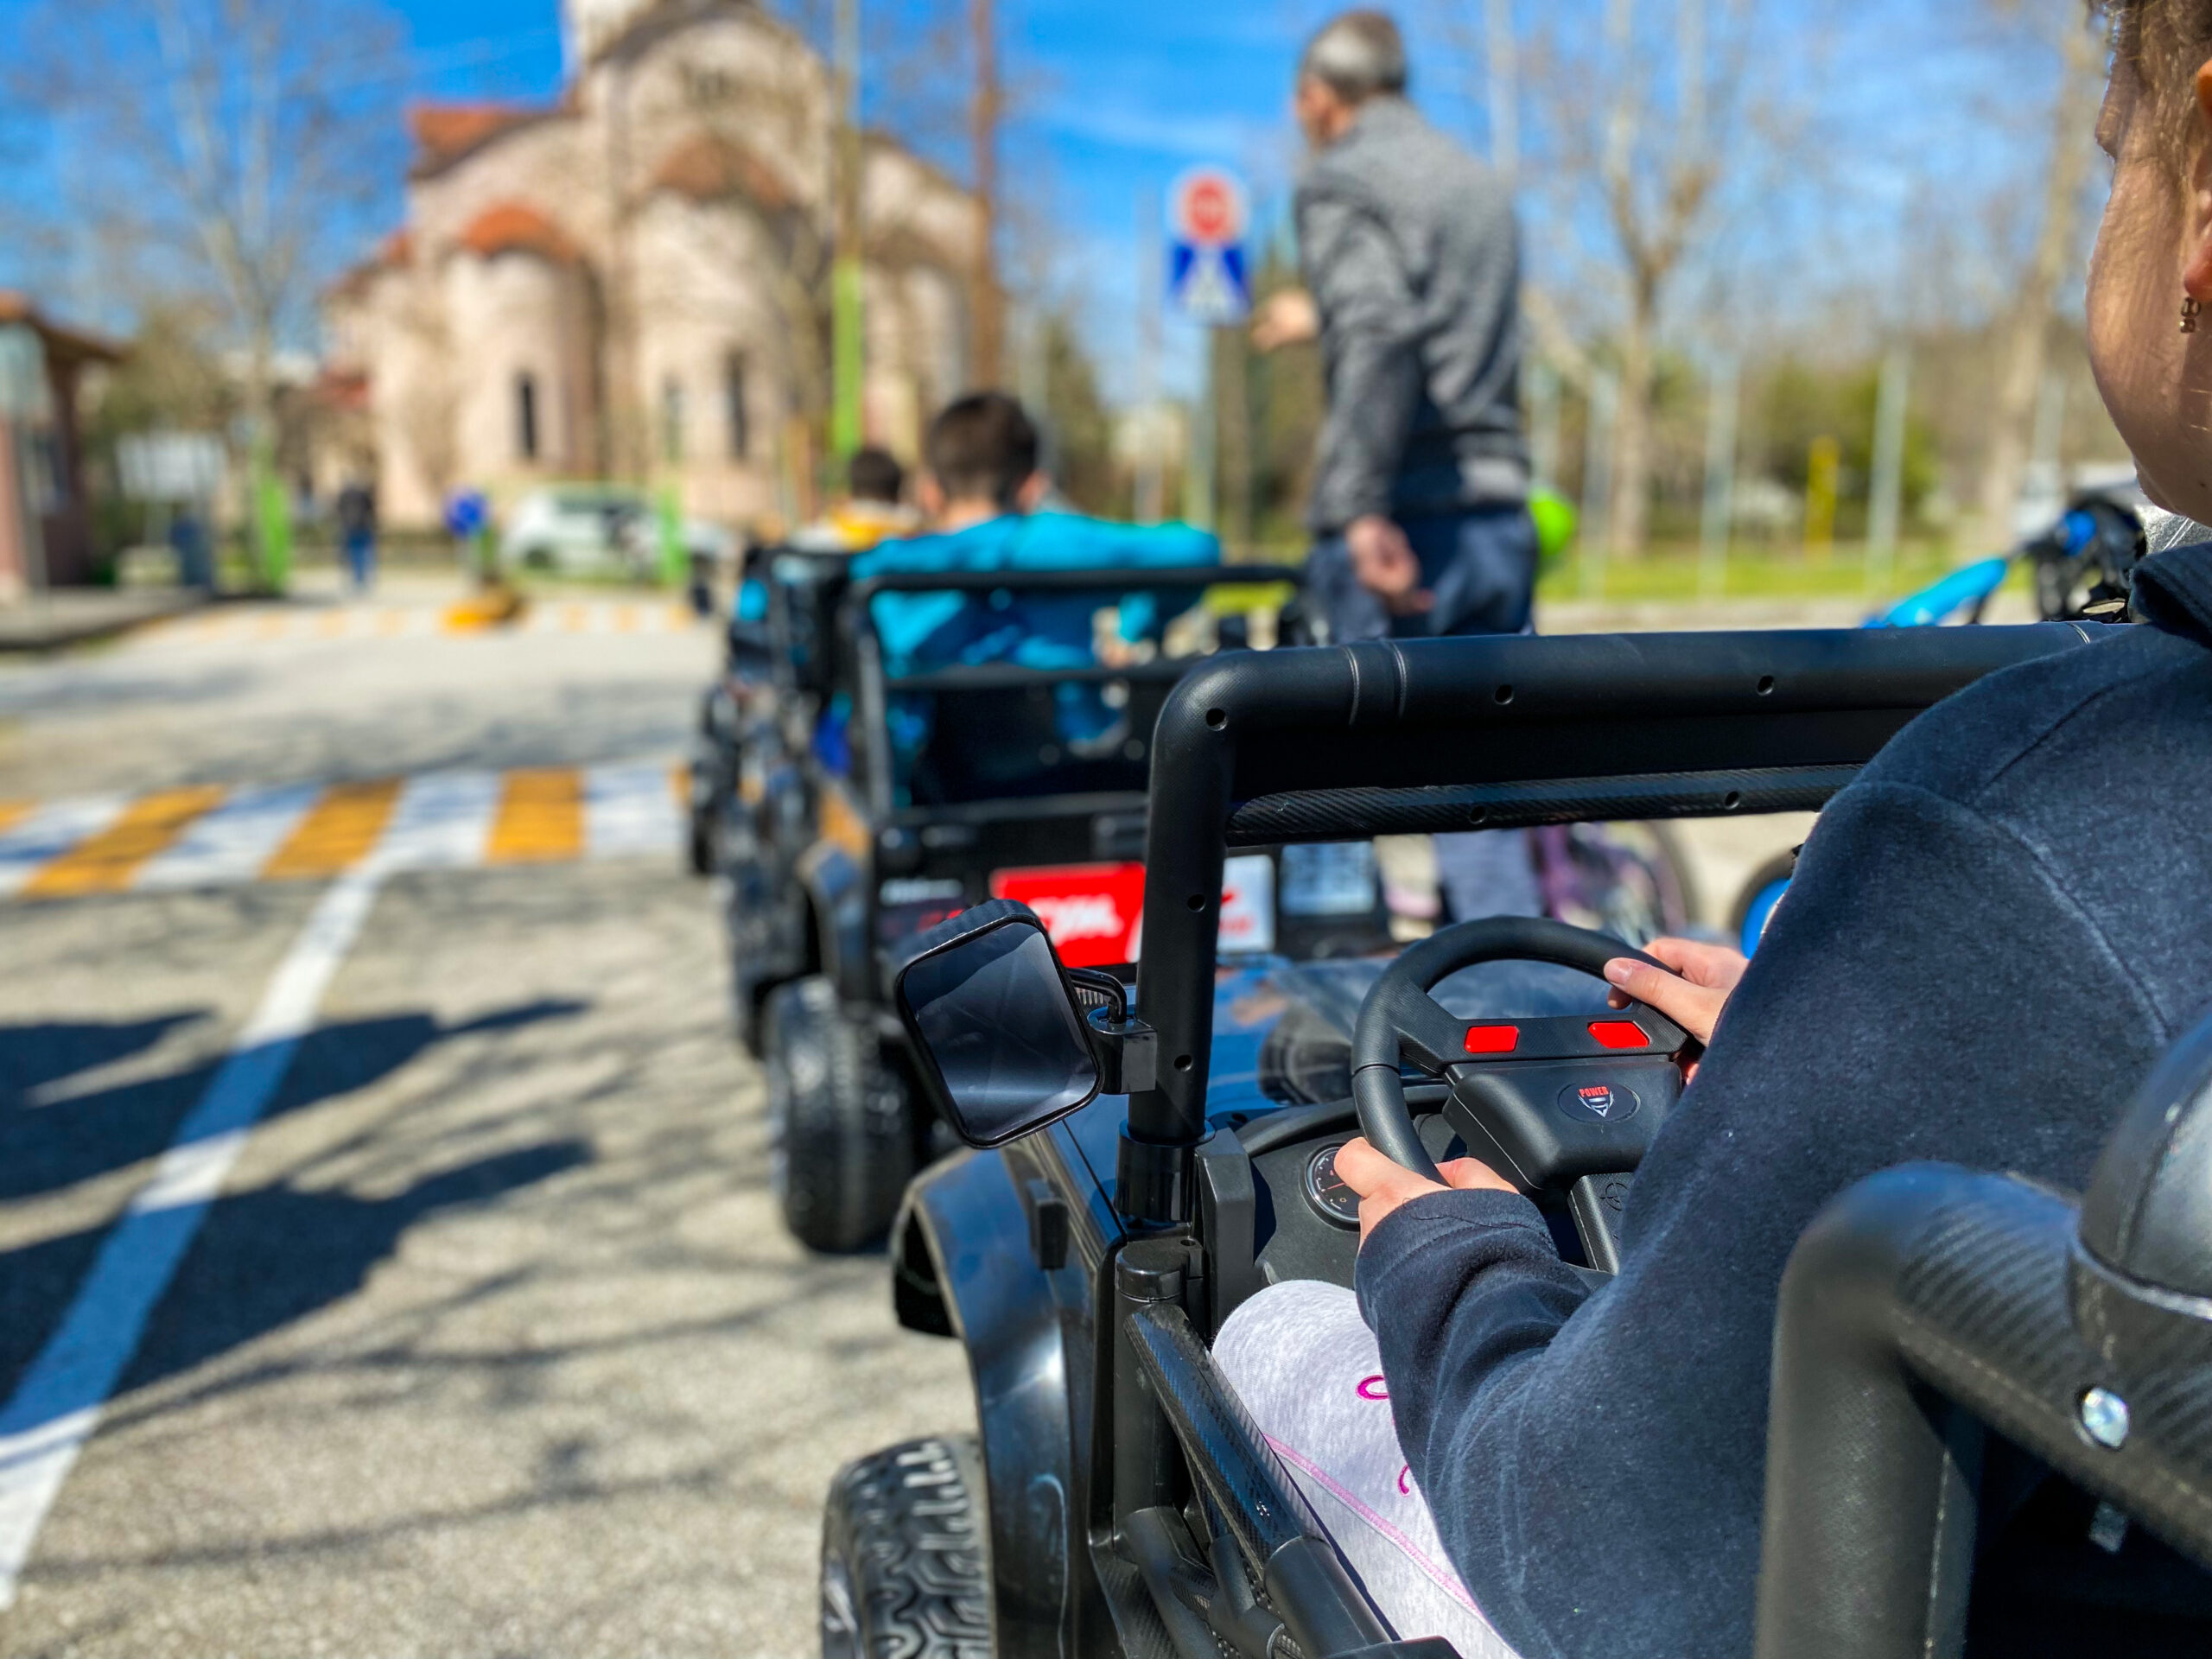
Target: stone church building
630, 283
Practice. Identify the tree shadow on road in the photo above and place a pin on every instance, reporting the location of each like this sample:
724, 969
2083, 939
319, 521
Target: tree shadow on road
268, 1257
46, 1144
31, 1056
45, 1149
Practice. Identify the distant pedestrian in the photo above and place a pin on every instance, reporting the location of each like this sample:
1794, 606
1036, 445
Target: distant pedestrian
1412, 263
357, 532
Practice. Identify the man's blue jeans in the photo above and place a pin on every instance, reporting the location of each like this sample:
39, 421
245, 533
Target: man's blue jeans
1481, 563
361, 558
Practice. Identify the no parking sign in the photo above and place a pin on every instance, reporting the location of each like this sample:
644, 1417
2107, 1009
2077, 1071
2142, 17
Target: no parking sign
1206, 219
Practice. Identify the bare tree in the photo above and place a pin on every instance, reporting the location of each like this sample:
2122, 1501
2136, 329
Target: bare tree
1646, 121
227, 147
2052, 259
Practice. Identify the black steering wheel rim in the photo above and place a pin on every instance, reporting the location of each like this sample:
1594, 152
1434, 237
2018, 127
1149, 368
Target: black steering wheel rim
1398, 1004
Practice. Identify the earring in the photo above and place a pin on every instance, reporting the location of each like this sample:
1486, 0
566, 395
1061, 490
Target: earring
2191, 308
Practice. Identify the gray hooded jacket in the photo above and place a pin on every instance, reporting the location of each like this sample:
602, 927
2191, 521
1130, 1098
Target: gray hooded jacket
1409, 247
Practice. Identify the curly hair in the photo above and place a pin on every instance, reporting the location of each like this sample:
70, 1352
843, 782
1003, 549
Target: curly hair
2162, 43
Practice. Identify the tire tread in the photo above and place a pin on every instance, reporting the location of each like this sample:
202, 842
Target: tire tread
907, 1526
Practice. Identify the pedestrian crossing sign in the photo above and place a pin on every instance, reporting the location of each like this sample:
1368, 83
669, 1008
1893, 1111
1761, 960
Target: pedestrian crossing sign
1207, 284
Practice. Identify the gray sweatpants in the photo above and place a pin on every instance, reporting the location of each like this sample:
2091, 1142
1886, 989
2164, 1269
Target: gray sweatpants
1308, 1369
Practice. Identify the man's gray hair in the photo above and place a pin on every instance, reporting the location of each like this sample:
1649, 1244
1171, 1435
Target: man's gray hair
1357, 56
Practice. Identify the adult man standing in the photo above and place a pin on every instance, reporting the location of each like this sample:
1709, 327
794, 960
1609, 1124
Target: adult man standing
1420, 509
1413, 270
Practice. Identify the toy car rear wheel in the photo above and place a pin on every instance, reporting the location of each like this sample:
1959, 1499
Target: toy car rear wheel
903, 1545
842, 1128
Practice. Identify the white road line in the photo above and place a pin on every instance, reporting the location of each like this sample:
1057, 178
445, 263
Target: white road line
52, 830
630, 811
442, 822
57, 1404
231, 843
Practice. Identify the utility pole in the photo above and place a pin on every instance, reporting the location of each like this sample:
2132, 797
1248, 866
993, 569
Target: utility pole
1723, 400
1543, 424
983, 304
1501, 53
1199, 463
1602, 409
1233, 404
846, 367
1150, 483
1887, 508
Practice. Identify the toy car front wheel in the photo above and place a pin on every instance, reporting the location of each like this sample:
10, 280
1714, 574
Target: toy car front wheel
903, 1548
841, 1133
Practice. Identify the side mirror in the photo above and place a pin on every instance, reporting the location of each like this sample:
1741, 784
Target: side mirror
1002, 1041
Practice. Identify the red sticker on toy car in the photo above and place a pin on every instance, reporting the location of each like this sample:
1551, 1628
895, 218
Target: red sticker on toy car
1091, 910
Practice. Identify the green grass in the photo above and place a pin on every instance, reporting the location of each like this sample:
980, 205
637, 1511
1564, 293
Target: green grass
1670, 574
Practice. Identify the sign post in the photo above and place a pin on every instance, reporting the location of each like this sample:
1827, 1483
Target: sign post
1207, 284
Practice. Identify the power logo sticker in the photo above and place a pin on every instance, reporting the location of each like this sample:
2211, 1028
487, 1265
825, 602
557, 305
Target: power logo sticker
1598, 1103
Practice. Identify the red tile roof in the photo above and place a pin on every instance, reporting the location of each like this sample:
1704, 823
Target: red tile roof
445, 132
63, 341
511, 225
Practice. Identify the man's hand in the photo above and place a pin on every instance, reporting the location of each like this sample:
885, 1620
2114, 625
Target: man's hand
1384, 1185
1383, 561
1289, 318
1692, 995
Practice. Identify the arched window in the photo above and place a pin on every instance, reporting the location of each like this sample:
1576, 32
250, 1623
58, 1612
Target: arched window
526, 415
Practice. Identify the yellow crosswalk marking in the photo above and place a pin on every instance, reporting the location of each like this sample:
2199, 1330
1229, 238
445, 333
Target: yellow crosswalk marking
105, 863
541, 817
338, 832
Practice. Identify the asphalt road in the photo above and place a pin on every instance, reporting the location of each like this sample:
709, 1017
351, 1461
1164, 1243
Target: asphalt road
489, 1342
386, 1260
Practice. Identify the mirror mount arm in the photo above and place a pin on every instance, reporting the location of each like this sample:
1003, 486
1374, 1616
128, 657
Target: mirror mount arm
1127, 1051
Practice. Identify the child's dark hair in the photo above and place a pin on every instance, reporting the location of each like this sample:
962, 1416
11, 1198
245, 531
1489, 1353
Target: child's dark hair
981, 447
874, 474
2162, 43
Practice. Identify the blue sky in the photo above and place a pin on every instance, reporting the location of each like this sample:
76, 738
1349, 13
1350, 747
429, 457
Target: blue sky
1110, 101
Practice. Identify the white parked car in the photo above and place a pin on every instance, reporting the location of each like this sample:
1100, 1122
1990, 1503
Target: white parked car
597, 530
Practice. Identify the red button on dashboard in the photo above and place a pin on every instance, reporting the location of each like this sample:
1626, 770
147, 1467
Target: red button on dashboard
1493, 1039
1620, 1033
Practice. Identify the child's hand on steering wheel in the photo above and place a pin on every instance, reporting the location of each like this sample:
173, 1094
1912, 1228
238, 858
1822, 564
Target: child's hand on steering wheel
1692, 995
1383, 1186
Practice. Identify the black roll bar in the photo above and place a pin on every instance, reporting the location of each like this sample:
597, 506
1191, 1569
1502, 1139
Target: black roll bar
1365, 739
857, 625
1928, 1303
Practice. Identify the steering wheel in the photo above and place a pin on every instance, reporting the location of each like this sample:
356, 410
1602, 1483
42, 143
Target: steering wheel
1564, 1106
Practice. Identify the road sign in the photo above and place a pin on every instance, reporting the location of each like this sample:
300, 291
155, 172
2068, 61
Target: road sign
1207, 217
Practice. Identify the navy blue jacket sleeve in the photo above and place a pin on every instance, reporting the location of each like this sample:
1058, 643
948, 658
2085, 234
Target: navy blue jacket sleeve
1595, 1462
